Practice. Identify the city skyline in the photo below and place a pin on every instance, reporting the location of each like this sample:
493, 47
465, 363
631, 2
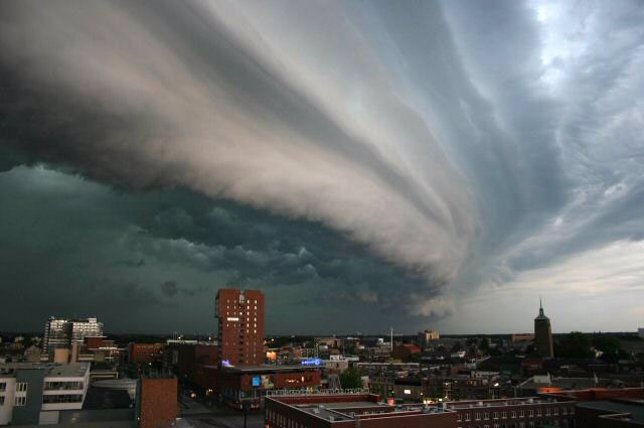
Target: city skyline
434, 165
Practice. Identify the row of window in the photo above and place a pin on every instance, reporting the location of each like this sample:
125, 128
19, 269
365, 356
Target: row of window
22, 386
56, 386
64, 398
564, 423
548, 411
46, 399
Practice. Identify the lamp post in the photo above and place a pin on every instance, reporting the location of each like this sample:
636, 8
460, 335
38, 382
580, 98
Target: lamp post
245, 406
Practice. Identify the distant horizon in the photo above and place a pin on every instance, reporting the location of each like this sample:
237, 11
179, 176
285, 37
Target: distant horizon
386, 336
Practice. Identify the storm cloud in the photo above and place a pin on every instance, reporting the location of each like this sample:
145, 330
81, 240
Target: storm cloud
409, 158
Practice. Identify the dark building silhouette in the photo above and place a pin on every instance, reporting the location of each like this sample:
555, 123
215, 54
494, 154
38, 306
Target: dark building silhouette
543, 335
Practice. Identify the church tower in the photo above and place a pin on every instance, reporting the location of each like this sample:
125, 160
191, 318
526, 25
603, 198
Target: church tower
543, 334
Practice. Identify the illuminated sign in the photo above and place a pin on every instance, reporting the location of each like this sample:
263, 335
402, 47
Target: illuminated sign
226, 363
256, 381
232, 319
311, 362
407, 391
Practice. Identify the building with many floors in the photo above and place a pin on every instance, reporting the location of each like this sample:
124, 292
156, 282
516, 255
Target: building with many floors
240, 316
63, 332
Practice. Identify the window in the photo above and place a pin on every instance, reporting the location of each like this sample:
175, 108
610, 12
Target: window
504, 414
477, 416
20, 401
531, 413
513, 414
59, 386
467, 417
3, 386
65, 398
522, 413
496, 415
21, 387
1, 400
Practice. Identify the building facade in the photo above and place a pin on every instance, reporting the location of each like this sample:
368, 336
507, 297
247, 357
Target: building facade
79, 329
514, 413
63, 332
32, 394
543, 335
236, 385
56, 335
240, 316
156, 403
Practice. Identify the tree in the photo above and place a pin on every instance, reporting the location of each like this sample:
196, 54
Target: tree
610, 347
350, 378
575, 345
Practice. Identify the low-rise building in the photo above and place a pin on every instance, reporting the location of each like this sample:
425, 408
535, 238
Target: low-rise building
514, 413
145, 353
36, 393
234, 385
348, 410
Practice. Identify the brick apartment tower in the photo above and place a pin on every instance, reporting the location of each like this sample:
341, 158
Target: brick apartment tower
240, 315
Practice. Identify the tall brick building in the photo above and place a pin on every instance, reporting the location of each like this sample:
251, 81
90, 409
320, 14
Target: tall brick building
240, 315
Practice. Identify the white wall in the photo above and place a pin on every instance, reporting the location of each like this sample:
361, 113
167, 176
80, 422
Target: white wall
6, 410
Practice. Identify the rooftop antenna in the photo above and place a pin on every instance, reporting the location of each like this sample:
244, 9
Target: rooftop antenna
391, 339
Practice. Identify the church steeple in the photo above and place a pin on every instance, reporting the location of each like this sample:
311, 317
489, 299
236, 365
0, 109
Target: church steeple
543, 334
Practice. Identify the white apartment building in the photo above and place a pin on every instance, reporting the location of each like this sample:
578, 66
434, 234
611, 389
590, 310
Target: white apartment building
62, 332
7, 394
36, 393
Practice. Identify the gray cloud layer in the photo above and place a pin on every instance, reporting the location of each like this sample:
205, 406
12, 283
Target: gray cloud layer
463, 143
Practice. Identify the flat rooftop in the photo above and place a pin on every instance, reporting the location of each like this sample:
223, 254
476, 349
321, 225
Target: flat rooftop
68, 370
50, 369
265, 369
335, 409
633, 407
528, 401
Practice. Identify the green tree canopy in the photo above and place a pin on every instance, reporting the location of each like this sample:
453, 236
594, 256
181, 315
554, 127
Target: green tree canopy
574, 345
350, 378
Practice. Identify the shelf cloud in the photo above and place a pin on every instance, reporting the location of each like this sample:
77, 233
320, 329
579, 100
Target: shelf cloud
462, 145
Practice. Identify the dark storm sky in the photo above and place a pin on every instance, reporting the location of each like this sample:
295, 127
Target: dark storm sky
373, 164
